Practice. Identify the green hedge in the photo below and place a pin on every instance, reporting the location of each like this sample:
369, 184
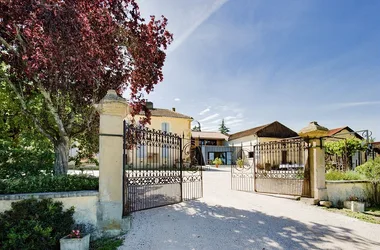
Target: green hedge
48, 183
333, 175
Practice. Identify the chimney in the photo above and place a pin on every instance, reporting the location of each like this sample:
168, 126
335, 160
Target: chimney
149, 105
173, 109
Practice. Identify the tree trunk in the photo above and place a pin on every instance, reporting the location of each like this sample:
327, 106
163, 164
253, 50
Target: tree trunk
375, 193
61, 149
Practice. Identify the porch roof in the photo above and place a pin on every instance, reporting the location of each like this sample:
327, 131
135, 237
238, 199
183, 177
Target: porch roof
209, 135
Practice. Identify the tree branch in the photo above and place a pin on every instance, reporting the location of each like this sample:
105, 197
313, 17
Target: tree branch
52, 109
29, 114
8, 46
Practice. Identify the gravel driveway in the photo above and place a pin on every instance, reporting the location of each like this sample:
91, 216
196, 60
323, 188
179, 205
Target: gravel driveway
226, 219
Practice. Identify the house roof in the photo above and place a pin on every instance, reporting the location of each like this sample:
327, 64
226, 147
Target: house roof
273, 130
209, 135
335, 131
167, 113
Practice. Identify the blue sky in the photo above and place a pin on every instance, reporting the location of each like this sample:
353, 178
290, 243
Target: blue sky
254, 62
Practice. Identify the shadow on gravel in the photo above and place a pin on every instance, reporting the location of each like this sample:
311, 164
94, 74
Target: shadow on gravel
196, 225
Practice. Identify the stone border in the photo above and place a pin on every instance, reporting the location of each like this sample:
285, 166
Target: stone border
49, 195
347, 181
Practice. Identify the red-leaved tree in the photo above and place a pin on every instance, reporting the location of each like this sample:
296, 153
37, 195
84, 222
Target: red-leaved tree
68, 53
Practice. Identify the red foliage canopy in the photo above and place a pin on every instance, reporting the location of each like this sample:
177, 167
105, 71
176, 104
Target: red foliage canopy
83, 47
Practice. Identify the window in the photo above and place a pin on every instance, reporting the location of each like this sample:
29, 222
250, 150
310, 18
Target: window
165, 127
250, 154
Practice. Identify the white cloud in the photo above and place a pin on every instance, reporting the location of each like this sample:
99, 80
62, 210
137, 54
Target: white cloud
216, 121
177, 99
229, 118
204, 111
237, 121
209, 118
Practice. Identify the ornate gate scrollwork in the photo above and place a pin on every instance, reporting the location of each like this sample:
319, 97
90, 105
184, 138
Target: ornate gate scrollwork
156, 171
242, 173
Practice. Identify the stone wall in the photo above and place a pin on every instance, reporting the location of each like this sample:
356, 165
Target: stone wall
85, 203
340, 191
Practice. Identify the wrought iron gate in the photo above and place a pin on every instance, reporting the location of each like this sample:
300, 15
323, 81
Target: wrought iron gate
242, 170
282, 167
159, 169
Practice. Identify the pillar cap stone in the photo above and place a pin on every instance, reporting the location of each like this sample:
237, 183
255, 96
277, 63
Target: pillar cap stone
314, 130
113, 104
112, 96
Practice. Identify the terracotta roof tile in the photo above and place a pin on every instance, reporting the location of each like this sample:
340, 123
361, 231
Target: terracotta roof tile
167, 113
335, 131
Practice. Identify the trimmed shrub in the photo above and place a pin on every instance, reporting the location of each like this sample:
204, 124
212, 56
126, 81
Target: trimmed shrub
35, 224
48, 183
333, 175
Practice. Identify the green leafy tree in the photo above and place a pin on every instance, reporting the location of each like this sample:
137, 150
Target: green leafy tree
197, 128
345, 148
371, 170
23, 149
65, 55
223, 128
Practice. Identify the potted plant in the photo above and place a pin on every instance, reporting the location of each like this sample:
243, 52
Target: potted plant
354, 204
240, 162
217, 162
75, 241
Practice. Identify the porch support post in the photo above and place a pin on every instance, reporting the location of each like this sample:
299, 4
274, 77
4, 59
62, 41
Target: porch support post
314, 132
112, 110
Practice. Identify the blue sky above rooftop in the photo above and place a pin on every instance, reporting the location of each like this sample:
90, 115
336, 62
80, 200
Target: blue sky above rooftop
254, 62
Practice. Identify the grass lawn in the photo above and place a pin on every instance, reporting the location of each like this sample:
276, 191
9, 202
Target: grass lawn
371, 215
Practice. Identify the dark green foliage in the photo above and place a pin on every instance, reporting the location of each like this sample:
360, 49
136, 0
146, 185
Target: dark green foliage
33, 224
23, 150
29, 157
223, 128
48, 183
106, 244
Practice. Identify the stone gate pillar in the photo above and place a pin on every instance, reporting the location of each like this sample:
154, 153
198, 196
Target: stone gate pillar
314, 132
112, 109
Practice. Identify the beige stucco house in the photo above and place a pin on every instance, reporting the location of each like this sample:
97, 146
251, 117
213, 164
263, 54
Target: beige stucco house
160, 152
167, 120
